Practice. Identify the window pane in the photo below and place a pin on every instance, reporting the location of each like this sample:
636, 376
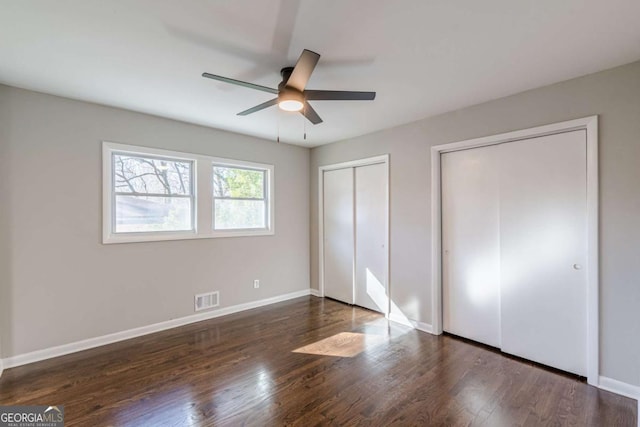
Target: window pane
145, 213
135, 174
241, 183
239, 214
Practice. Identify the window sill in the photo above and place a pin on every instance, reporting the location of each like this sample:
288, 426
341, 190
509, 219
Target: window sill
240, 233
191, 235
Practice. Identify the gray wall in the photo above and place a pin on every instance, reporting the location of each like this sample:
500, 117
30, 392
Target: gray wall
614, 95
60, 284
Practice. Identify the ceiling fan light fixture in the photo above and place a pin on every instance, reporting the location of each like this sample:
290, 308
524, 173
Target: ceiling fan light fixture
290, 105
291, 100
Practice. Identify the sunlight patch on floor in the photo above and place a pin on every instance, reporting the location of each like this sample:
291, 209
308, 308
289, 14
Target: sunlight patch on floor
344, 344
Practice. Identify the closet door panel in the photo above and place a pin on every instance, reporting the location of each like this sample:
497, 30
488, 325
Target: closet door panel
471, 244
371, 230
543, 250
339, 243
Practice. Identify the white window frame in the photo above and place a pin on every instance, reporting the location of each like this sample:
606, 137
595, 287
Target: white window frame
268, 198
202, 184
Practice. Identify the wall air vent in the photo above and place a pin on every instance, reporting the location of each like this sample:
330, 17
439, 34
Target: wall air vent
208, 300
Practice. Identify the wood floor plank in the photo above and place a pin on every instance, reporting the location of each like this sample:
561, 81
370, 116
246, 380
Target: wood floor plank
242, 370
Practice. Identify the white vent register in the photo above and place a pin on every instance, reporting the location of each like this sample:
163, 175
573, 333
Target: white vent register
208, 300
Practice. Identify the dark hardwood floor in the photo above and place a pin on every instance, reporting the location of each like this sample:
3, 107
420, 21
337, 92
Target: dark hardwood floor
242, 370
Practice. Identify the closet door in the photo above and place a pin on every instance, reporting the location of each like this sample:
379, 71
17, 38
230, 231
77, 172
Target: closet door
338, 234
371, 235
471, 244
543, 249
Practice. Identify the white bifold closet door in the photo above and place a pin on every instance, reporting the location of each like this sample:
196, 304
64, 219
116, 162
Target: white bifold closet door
371, 228
514, 247
543, 246
339, 239
471, 244
355, 230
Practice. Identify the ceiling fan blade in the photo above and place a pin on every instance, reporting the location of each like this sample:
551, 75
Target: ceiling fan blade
338, 95
240, 83
303, 69
310, 114
262, 106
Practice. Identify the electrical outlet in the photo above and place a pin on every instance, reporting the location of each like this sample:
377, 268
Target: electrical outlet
256, 284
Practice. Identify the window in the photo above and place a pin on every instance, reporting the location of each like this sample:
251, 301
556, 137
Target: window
239, 198
151, 194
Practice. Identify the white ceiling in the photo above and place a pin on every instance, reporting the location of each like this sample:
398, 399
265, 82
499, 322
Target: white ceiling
423, 57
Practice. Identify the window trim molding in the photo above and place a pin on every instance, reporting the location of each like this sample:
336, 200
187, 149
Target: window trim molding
202, 176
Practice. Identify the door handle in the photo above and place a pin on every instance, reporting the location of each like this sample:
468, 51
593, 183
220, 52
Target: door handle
577, 267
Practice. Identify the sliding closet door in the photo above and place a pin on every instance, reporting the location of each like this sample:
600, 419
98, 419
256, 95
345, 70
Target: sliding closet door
471, 244
543, 249
338, 234
371, 231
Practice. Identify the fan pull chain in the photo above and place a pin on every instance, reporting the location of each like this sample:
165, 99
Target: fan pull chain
278, 125
304, 120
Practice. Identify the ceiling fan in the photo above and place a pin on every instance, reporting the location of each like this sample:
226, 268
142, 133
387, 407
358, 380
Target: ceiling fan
292, 95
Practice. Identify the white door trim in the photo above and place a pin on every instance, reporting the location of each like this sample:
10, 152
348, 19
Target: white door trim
590, 124
350, 164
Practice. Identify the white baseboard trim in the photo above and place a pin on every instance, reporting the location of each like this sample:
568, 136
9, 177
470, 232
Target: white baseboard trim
618, 387
61, 350
421, 326
315, 293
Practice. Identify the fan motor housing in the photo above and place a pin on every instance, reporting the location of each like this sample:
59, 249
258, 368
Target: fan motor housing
285, 73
